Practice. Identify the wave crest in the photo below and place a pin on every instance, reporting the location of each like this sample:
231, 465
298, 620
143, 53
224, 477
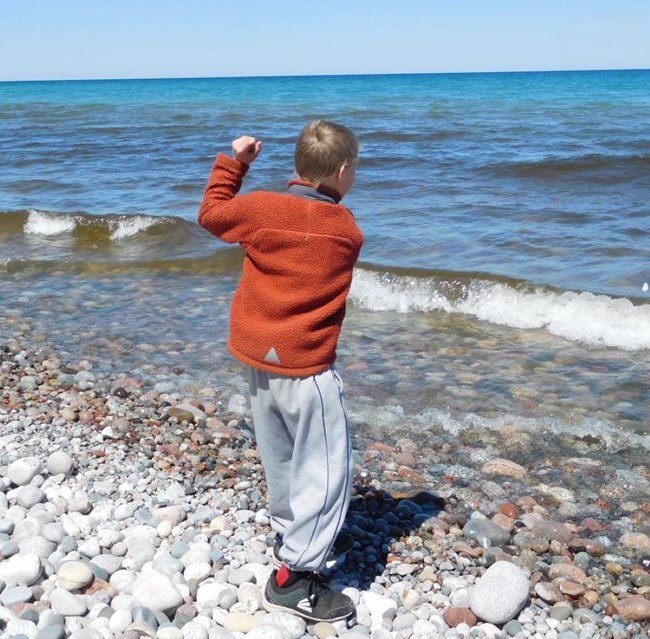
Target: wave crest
594, 320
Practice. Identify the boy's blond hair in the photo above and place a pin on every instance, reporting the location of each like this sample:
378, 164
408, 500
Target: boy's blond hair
323, 147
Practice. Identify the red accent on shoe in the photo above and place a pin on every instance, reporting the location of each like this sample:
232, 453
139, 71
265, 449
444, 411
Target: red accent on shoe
282, 576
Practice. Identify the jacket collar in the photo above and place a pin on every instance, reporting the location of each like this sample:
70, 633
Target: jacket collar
308, 190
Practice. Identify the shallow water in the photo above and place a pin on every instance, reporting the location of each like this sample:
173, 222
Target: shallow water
399, 369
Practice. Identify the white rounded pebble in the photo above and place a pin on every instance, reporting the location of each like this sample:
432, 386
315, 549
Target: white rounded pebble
123, 581
198, 571
22, 471
73, 575
248, 592
21, 569
67, 604
208, 593
500, 593
36, 545
18, 627
29, 496
380, 607
173, 514
194, 630
240, 622
120, 621
90, 548
196, 554
59, 463
266, 632
157, 591
169, 632
292, 626
164, 528
324, 629
124, 602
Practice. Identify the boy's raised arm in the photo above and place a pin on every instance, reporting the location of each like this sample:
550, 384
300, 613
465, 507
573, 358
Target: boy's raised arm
218, 213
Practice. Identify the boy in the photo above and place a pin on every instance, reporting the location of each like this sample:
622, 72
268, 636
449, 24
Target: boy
286, 315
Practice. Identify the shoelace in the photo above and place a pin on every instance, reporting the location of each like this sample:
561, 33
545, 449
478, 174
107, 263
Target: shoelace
315, 586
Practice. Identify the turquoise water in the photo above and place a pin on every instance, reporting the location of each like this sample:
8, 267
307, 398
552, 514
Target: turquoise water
539, 177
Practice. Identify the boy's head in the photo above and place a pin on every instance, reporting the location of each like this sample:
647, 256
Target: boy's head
327, 153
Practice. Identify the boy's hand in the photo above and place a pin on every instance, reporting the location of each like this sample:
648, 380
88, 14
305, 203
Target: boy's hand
246, 149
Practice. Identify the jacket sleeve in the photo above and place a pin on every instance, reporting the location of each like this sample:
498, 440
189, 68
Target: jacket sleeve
221, 212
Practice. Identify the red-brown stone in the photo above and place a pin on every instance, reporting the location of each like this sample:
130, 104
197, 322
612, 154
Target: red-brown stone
456, 616
509, 510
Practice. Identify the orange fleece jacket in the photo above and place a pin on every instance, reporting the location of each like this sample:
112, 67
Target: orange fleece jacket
287, 312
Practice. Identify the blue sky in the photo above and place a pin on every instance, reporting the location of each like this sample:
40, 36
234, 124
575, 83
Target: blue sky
70, 39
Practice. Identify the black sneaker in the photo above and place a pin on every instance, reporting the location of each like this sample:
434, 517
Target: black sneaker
305, 594
343, 544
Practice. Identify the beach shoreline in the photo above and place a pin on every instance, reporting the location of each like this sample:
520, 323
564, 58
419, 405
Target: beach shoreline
182, 473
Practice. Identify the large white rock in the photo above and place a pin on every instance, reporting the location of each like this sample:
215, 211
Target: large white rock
381, 608
158, 592
22, 471
500, 594
21, 569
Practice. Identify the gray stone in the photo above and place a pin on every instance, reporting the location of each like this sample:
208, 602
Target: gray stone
145, 615
107, 563
561, 611
29, 496
19, 594
513, 628
51, 632
500, 594
485, 532
240, 576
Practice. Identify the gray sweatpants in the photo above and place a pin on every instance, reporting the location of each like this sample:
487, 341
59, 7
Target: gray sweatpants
302, 432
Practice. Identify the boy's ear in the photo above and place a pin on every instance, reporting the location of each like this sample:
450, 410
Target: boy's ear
342, 169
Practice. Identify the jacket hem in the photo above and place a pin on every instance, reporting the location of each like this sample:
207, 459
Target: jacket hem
302, 371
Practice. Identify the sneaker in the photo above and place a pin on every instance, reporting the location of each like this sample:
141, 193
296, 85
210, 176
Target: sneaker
305, 594
342, 545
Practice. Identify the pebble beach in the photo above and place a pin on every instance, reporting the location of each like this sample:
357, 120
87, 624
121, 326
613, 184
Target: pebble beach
127, 510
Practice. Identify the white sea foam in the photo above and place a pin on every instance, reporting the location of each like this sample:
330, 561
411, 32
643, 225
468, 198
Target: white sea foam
595, 320
131, 226
39, 223
610, 433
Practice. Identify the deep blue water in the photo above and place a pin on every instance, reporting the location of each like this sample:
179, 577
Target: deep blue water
540, 181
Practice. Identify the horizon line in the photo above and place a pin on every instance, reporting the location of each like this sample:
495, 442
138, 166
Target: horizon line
324, 75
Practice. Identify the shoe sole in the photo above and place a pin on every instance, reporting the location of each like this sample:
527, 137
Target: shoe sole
271, 607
